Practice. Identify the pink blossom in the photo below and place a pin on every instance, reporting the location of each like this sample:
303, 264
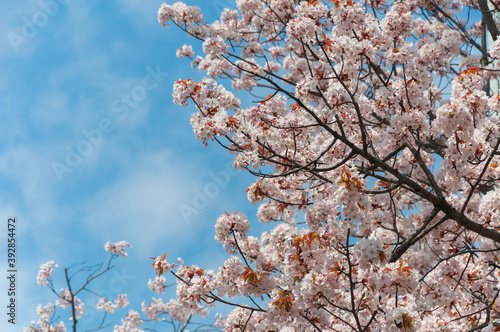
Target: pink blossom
185, 50
45, 273
117, 248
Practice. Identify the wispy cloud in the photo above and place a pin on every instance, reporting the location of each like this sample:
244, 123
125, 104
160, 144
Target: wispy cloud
140, 205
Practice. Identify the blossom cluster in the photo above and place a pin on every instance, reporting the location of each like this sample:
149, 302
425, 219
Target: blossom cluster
130, 323
373, 122
44, 323
117, 248
109, 306
68, 300
46, 271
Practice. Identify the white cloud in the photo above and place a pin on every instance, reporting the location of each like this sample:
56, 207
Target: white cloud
30, 176
144, 13
142, 204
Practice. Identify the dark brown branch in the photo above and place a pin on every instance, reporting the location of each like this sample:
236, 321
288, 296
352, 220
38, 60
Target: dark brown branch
488, 19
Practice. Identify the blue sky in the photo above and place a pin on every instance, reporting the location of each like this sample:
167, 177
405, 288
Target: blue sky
92, 148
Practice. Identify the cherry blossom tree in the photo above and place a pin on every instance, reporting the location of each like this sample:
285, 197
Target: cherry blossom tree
69, 296
375, 122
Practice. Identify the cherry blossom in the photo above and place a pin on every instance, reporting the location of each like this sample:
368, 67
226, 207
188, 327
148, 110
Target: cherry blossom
44, 323
117, 248
110, 306
130, 323
46, 271
185, 51
68, 300
157, 285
